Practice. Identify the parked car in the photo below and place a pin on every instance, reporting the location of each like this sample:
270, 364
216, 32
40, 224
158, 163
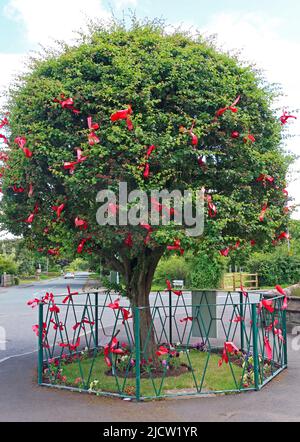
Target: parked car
69, 275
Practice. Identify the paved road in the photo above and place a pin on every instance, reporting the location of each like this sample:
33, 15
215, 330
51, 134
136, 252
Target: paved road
22, 400
16, 318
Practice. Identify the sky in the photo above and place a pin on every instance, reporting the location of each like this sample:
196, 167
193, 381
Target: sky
266, 31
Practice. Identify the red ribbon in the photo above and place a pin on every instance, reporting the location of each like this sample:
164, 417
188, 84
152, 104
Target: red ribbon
176, 246
123, 115
4, 122
112, 348
263, 212
232, 108
72, 347
81, 223
189, 318
56, 326
58, 209
3, 137
268, 348
21, 142
170, 288
84, 321
70, 294
67, 103
285, 117
229, 347
128, 241
212, 209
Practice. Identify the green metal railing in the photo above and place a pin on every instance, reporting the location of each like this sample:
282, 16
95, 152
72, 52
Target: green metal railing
94, 342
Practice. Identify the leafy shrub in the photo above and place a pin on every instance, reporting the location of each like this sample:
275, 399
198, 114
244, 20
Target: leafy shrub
8, 265
175, 267
275, 268
207, 271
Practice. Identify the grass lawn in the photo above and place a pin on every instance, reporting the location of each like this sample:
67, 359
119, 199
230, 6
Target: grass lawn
216, 378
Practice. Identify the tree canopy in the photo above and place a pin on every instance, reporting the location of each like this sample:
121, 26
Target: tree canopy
177, 94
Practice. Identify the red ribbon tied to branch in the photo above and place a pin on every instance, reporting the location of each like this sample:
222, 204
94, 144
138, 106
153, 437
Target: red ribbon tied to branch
170, 289
4, 122
21, 142
225, 252
81, 223
112, 348
67, 103
263, 212
285, 117
3, 137
263, 178
82, 244
194, 138
123, 115
229, 347
232, 108
128, 241
212, 209
58, 210
176, 246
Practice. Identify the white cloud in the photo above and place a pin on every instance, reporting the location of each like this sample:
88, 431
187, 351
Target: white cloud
121, 4
260, 39
44, 20
11, 65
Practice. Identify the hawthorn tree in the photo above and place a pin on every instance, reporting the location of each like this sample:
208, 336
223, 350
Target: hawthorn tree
177, 93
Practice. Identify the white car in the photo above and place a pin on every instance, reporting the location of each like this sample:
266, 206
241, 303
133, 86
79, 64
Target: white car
69, 275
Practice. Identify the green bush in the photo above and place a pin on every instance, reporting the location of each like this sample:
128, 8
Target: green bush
207, 271
275, 268
8, 265
175, 267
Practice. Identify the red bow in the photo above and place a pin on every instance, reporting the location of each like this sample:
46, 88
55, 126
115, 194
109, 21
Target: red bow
283, 235
195, 139
112, 348
82, 244
84, 321
285, 117
189, 318
56, 326
244, 292
116, 306
18, 189
282, 292
3, 137
229, 347
169, 287
4, 122
225, 252
263, 212
128, 240
176, 246
212, 209
67, 103
232, 108
238, 319
267, 304
268, 348
70, 294
249, 137
3, 156
81, 223
123, 115
72, 347
53, 252
21, 142
35, 329
263, 178
58, 209
146, 171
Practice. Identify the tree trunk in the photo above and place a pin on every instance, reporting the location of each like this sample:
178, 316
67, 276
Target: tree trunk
139, 277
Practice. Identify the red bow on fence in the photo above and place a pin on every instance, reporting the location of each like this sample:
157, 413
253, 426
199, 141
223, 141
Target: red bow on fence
285, 301
116, 306
72, 347
70, 294
112, 348
170, 289
84, 321
229, 347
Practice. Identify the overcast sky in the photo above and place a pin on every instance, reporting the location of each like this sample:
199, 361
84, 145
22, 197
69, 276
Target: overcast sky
267, 31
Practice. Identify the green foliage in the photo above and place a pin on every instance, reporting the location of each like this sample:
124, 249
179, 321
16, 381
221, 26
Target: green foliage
79, 264
207, 271
275, 268
170, 81
174, 267
8, 265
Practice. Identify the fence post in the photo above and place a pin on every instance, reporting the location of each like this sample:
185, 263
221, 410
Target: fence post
284, 332
96, 320
170, 318
255, 346
242, 322
137, 341
40, 344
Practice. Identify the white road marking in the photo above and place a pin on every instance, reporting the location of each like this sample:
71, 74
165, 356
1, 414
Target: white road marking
17, 356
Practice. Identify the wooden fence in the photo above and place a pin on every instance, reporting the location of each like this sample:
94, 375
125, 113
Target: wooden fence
233, 281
